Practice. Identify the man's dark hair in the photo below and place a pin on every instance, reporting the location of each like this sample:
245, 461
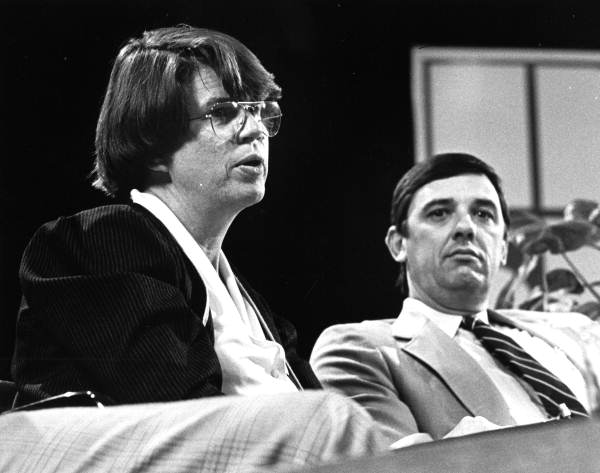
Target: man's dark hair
144, 117
440, 166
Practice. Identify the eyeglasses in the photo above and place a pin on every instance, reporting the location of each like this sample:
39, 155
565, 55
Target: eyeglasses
228, 118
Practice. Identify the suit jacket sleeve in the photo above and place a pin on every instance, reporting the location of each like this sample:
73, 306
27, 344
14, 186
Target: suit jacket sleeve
350, 359
109, 305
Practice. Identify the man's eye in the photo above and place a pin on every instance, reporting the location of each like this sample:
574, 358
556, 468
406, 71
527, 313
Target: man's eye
485, 214
437, 213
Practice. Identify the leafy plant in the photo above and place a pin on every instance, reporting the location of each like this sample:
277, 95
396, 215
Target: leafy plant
532, 238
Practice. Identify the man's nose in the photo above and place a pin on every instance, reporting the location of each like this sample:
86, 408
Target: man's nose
465, 227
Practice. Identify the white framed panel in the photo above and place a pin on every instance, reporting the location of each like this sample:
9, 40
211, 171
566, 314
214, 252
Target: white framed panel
569, 110
533, 114
481, 110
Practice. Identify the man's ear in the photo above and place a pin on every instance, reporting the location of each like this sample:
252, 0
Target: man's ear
396, 244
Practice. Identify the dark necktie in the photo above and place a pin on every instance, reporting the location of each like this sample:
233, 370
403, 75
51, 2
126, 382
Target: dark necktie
551, 391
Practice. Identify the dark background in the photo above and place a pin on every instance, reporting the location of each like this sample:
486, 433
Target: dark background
314, 246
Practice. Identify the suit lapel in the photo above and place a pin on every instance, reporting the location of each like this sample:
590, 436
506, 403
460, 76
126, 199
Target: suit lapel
498, 318
461, 373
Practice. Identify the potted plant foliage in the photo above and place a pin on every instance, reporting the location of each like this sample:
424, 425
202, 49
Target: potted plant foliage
531, 237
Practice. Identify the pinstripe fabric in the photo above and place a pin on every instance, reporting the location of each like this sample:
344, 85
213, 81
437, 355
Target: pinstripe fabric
110, 303
551, 391
224, 434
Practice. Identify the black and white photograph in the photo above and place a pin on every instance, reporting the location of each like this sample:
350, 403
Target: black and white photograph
299, 235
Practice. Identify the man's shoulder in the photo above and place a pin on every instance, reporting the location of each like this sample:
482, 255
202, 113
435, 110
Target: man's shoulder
372, 331
553, 319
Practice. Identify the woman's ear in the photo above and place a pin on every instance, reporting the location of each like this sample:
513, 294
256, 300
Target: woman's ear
158, 167
396, 244
158, 174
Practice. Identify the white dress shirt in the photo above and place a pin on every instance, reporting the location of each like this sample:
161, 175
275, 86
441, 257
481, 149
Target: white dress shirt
250, 363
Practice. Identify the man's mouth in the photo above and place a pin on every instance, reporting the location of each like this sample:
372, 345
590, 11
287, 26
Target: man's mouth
465, 253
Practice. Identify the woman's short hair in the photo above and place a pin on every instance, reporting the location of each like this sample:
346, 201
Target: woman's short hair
144, 116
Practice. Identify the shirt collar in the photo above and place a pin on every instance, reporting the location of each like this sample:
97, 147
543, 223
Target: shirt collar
162, 212
186, 241
415, 314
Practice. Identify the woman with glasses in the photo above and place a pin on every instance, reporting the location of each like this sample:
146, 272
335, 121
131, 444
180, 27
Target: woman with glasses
137, 301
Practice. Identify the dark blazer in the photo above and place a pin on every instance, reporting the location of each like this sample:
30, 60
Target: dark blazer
112, 304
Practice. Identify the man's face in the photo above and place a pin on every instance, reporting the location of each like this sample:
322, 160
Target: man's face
219, 172
454, 242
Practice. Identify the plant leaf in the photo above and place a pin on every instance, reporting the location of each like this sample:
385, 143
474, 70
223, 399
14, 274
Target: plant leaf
520, 218
560, 237
580, 209
591, 309
533, 303
544, 242
525, 235
562, 278
594, 218
584, 210
573, 234
558, 301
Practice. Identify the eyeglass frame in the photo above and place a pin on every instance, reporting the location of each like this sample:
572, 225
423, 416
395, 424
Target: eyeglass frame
246, 106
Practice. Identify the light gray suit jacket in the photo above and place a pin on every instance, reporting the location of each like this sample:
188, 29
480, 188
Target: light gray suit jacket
418, 381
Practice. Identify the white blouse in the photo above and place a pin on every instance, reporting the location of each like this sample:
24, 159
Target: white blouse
250, 363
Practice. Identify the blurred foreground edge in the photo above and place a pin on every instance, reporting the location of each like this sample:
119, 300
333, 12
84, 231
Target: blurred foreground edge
551, 447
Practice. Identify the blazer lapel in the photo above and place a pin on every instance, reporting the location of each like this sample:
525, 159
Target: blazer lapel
461, 373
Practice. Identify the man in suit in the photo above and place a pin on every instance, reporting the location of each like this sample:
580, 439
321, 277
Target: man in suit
138, 302
427, 375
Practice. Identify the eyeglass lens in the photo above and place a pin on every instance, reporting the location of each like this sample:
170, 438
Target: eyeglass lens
228, 118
